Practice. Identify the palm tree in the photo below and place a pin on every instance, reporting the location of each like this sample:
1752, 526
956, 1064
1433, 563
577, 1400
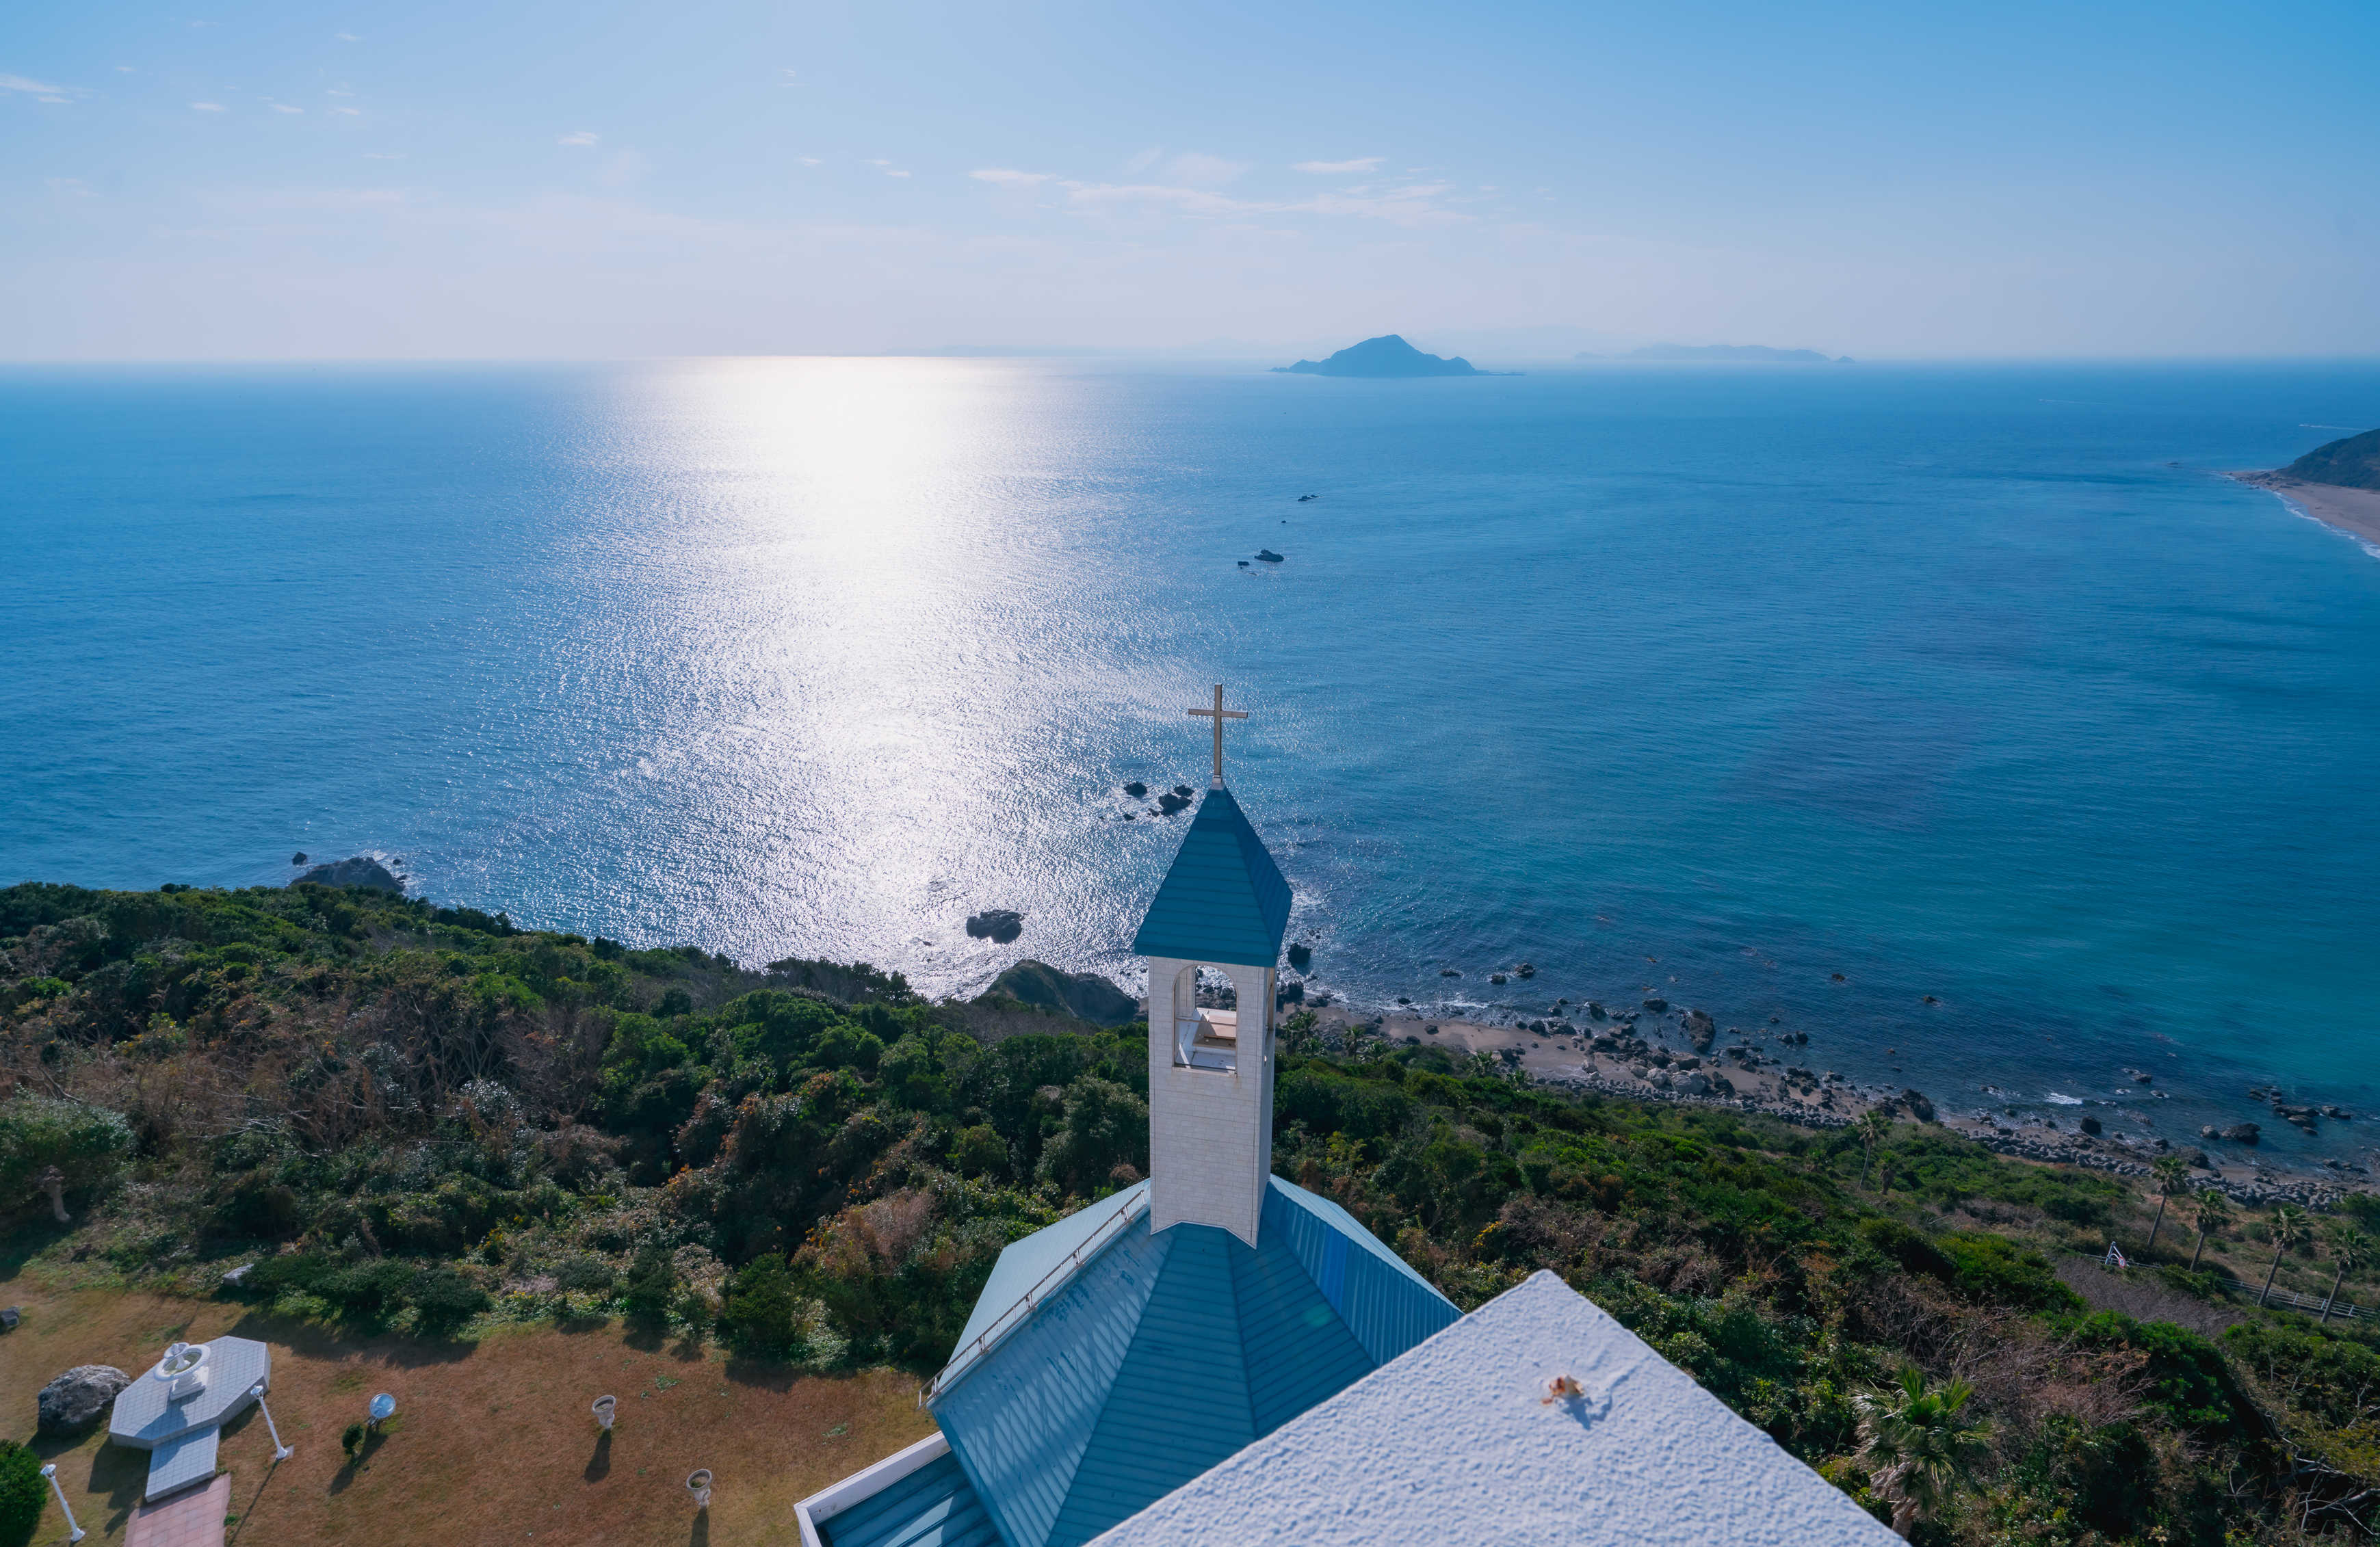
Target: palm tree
2350, 1248
2288, 1228
1915, 1447
2215, 1215
1871, 1128
2172, 1180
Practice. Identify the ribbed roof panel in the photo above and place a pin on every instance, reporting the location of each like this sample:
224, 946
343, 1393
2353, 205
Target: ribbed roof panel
1167, 1354
1224, 900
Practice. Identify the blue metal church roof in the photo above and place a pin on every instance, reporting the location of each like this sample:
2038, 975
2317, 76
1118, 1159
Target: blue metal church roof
1224, 900
1166, 1353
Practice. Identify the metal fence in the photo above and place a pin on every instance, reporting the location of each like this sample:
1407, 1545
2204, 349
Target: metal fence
2287, 1299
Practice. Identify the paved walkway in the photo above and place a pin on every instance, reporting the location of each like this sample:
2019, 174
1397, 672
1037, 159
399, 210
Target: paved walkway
193, 1518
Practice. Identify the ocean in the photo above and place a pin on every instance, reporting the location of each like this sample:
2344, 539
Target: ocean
1972, 682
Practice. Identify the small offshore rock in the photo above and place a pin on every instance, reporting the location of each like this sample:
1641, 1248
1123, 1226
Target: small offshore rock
2241, 1134
1525, 970
1448, 972
999, 926
1137, 790
75, 1400
1171, 803
297, 858
1300, 956
1656, 1004
1700, 1030
1267, 556
2090, 1126
361, 871
1495, 977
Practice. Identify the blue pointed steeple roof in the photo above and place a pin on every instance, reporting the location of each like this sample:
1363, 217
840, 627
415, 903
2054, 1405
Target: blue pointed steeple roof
1224, 900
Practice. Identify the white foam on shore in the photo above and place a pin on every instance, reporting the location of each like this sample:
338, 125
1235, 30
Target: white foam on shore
2358, 539
2056, 1099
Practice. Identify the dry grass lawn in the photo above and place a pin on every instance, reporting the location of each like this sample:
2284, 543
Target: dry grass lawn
492, 1441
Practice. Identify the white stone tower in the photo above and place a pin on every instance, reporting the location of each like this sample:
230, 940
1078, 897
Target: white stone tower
1222, 906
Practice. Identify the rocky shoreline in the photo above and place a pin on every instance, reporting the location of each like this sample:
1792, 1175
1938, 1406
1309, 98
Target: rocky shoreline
1608, 1057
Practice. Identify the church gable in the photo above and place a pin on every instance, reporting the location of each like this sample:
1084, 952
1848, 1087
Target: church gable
1180, 1403
1021, 1416
1165, 1355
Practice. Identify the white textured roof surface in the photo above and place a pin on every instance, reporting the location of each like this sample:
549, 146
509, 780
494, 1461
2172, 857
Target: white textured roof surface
1450, 1443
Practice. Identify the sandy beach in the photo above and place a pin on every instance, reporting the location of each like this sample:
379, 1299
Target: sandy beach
2353, 511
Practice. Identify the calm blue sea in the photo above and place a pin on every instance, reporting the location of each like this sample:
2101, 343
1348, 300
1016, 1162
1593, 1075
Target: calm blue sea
1970, 683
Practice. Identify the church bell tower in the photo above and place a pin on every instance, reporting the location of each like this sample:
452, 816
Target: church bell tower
1220, 912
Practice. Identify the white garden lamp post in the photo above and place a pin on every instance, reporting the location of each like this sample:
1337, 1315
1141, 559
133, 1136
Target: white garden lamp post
697, 1483
280, 1452
74, 1533
606, 1407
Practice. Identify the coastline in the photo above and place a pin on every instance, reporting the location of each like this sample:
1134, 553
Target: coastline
2355, 512
1617, 1058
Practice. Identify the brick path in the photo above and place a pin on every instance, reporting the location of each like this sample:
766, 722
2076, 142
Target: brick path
193, 1518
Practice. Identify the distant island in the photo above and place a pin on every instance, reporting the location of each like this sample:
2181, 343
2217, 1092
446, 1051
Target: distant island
1759, 354
2338, 484
1387, 355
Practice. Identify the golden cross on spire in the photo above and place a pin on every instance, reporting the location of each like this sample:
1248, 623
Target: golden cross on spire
1219, 713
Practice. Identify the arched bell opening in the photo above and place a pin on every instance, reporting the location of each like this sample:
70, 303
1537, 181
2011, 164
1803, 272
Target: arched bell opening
1205, 1035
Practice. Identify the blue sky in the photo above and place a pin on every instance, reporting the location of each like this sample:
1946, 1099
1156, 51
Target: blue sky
274, 180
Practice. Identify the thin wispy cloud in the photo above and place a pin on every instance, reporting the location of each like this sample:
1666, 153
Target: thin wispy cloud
206, 107
1200, 171
350, 112
895, 172
1008, 177
1338, 168
384, 155
284, 107
39, 88
786, 77
125, 69
346, 37
1403, 206
1197, 202
584, 137
810, 161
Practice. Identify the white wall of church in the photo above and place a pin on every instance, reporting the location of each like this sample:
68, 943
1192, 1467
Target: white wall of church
1210, 1132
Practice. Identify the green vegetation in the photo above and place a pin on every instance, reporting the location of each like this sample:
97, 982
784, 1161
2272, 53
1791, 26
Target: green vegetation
429, 1119
22, 1493
2353, 463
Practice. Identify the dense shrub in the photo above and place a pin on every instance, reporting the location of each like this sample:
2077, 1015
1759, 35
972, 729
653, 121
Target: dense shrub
22, 1493
88, 1144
